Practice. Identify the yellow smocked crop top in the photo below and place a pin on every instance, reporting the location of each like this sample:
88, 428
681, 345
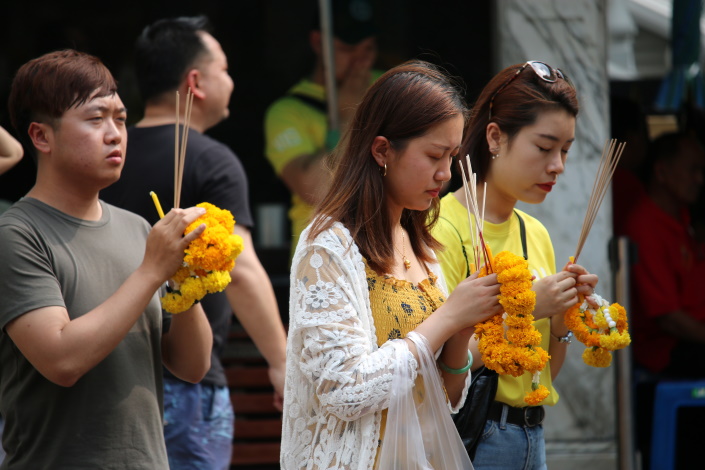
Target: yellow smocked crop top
398, 307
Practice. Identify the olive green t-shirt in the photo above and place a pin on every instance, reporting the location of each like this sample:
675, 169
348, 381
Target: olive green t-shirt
112, 417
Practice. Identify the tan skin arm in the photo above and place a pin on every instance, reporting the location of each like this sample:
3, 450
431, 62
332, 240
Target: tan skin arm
307, 177
10, 151
681, 325
186, 347
252, 299
63, 350
473, 300
584, 283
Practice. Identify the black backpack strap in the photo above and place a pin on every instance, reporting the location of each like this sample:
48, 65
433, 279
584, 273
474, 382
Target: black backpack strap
465, 254
311, 101
522, 233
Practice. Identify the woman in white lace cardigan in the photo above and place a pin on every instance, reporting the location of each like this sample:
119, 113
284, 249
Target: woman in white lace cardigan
364, 277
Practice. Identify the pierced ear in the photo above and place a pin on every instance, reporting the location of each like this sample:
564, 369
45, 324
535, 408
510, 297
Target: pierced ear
494, 135
381, 150
193, 78
41, 135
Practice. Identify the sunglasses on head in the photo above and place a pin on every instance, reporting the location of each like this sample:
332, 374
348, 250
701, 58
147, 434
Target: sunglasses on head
544, 71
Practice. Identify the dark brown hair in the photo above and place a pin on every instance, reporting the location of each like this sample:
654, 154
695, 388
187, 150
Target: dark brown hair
403, 104
45, 87
516, 106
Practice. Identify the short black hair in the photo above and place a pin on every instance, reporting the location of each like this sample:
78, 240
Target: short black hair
353, 20
165, 51
665, 147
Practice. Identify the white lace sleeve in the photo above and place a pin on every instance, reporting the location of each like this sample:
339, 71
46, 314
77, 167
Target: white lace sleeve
351, 377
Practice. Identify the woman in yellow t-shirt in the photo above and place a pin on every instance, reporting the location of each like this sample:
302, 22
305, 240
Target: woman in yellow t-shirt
522, 126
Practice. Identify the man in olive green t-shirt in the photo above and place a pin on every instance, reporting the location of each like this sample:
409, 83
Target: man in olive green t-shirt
83, 343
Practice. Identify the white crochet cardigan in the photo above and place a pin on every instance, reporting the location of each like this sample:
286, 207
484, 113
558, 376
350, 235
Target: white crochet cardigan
337, 380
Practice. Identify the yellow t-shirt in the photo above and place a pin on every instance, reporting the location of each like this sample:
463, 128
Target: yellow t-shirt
453, 231
293, 128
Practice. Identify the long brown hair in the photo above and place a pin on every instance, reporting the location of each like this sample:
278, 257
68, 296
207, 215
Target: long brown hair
403, 104
516, 106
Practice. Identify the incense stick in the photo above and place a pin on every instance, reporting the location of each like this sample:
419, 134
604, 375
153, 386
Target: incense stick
611, 153
180, 147
470, 189
176, 150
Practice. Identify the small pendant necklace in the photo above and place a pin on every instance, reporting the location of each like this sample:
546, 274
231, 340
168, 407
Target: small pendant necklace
407, 263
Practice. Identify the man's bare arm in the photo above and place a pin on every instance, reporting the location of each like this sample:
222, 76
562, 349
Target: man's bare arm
62, 349
10, 151
252, 299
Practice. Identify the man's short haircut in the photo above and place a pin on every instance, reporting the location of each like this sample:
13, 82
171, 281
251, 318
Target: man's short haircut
46, 87
666, 147
353, 20
165, 51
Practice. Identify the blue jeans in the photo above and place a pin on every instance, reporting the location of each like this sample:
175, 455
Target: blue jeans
198, 425
2, 451
505, 446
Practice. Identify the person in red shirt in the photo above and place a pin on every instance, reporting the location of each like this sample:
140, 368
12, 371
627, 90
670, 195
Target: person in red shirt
668, 312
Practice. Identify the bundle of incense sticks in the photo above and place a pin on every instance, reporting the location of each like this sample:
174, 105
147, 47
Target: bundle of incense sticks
180, 146
611, 153
480, 248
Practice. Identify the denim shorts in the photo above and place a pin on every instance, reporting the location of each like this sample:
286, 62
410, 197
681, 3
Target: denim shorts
505, 446
2, 451
198, 425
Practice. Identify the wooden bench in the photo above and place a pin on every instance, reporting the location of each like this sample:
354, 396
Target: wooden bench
257, 422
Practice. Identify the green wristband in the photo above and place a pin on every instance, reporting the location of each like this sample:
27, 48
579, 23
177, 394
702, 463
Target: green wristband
457, 371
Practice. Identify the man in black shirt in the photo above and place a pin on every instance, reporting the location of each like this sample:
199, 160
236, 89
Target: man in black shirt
178, 54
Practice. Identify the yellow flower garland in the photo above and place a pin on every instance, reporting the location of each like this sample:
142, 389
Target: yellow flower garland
599, 330
520, 350
208, 260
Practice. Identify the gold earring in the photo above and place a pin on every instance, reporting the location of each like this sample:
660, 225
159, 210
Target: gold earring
385, 171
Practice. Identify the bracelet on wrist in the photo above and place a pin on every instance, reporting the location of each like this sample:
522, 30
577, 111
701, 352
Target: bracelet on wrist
462, 370
567, 338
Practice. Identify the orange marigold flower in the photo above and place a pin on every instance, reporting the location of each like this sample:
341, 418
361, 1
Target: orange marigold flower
208, 259
537, 396
216, 281
175, 303
519, 352
599, 331
597, 357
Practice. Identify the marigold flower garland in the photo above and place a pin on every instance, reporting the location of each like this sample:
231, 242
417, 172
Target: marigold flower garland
599, 330
602, 330
208, 260
519, 351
